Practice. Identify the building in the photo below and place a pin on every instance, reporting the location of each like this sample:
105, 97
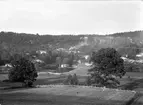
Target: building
64, 65
41, 52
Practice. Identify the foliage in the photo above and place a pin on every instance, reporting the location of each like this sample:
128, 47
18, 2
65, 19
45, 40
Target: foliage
68, 80
107, 66
130, 50
68, 61
65, 60
75, 80
133, 67
23, 71
18, 42
88, 81
50, 66
71, 80
11, 43
1, 62
71, 59
59, 61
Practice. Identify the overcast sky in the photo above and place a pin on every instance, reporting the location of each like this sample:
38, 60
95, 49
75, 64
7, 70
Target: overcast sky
70, 17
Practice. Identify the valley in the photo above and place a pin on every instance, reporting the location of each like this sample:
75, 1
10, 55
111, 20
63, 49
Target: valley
57, 57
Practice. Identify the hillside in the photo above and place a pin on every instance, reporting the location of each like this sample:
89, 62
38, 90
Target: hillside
83, 43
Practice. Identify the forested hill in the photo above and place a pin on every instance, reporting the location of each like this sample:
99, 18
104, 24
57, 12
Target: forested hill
11, 40
23, 41
35, 39
128, 34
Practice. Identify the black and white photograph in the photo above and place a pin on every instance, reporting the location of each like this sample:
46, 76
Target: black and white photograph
71, 52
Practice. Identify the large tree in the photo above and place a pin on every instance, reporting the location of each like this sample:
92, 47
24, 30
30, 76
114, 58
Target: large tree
108, 65
23, 71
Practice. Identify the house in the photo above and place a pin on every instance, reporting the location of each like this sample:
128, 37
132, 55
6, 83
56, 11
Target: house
41, 52
79, 61
139, 55
88, 64
131, 60
64, 65
7, 65
38, 61
86, 57
5, 68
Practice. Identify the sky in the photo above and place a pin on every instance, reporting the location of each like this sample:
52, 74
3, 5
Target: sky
70, 17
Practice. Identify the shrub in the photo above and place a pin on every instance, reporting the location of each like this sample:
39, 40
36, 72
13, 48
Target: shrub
68, 80
71, 80
75, 80
88, 81
23, 71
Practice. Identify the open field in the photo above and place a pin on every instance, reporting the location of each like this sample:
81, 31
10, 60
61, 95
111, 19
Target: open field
74, 95
44, 78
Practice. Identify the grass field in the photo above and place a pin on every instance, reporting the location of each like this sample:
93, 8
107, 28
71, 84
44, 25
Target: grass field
46, 79
57, 96
66, 95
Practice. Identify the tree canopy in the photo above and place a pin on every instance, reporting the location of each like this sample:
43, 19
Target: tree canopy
107, 66
23, 71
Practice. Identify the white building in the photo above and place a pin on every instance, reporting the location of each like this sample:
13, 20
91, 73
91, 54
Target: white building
88, 64
41, 52
38, 61
7, 65
79, 61
86, 56
64, 65
139, 55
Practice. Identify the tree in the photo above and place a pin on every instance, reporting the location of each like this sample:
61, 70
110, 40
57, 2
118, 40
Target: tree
75, 80
23, 71
68, 80
1, 61
65, 61
59, 61
5, 56
130, 50
107, 66
88, 81
71, 59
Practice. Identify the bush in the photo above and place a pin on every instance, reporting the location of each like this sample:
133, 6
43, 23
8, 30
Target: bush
75, 80
68, 80
88, 81
23, 71
71, 80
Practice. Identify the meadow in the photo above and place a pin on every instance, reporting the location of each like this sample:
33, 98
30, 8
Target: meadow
44, 92
66, 95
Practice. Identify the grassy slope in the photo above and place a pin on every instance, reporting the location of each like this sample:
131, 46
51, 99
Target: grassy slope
37, 99
56, 95
81, 71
